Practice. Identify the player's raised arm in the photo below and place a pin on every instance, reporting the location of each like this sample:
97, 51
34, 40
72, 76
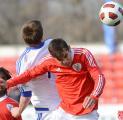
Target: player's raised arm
27, 75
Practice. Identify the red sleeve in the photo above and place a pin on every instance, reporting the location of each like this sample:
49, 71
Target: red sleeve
28, 75
95, 73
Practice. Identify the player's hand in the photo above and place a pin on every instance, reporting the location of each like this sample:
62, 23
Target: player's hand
15, 112
89, 102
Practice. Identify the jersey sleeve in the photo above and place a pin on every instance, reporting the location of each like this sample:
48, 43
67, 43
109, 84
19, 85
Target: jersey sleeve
18, 62
25, 90
95, 73
17, 67
28, 75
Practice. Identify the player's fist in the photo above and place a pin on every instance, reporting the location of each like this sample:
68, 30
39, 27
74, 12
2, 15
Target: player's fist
15, 112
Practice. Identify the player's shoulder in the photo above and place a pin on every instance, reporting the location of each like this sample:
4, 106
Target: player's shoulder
23, 53
11, 100
81, 51
9, 103
47, 41
46, 58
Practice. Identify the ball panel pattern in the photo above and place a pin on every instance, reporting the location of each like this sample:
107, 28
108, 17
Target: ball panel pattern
109, 6
113, 15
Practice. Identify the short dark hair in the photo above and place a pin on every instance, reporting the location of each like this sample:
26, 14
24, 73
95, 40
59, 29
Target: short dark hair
57, 46
4, 73
32, 32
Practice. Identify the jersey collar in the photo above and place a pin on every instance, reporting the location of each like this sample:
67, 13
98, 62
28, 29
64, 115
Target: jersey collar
37, 47
3, 97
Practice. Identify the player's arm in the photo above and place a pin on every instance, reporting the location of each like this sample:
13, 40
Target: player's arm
28, 75
25, 95
97, 76
24, 101
17, 111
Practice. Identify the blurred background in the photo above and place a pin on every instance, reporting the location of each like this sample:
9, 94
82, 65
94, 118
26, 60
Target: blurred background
78, 23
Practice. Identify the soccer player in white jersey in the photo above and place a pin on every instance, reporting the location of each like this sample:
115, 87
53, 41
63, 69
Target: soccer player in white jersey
38, 90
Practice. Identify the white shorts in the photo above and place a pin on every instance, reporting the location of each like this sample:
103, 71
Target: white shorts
60, 114
39, 112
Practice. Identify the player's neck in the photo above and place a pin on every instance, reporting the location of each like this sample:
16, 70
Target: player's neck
2, 94
3, 97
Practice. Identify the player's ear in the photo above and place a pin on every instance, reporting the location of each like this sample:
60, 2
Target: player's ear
69, 47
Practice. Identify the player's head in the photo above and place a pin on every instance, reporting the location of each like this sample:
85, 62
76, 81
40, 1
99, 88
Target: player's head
32, 32
60, 50
4, 76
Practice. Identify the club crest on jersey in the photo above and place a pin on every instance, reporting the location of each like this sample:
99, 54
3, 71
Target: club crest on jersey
77, 66
9, 106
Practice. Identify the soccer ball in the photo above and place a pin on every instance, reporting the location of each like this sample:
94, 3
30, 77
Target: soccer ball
111, 13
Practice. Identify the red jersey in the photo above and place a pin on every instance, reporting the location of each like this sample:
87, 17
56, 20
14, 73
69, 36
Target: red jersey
74, 83
6, 104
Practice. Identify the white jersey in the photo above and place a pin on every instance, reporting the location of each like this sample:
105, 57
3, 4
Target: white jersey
43, 90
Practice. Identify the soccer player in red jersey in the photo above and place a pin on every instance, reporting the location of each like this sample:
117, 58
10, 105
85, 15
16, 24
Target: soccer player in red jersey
79, 81
6, 103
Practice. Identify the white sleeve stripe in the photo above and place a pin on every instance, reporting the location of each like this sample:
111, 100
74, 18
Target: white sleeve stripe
98, 89
88, 56
99, 86
90, 60
18, 64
